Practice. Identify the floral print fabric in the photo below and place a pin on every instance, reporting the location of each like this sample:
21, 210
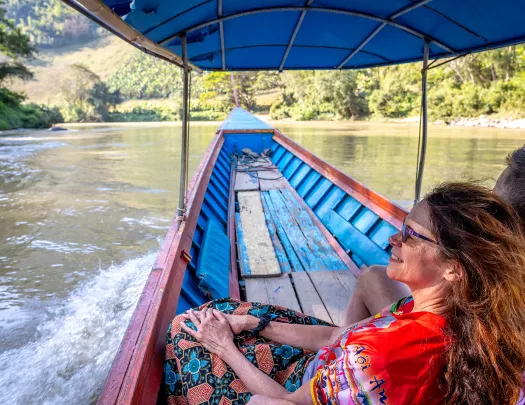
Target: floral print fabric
192, 375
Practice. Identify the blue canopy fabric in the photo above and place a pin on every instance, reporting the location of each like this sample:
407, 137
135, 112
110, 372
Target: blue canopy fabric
322, 34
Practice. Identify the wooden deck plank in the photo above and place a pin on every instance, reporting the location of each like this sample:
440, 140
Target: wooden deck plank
308, 296
310, 259
347, 279
244, 263
335, 290
270, 179
246, 182
283, 237
313, 234
277, 245
274, 291
259, 247
341, 253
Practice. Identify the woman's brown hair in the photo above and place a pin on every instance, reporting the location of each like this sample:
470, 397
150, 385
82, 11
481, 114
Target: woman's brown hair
486, 322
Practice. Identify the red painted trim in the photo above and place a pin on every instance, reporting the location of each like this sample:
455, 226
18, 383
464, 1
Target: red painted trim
136, 374
329, 237
233, 285
383, 207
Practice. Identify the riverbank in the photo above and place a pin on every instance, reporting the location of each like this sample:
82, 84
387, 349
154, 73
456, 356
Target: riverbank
482, 121
488, 122
479, 122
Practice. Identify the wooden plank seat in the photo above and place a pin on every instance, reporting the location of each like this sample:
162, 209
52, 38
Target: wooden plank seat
244, 181
255, 248
304, 244
274, 291
323, 295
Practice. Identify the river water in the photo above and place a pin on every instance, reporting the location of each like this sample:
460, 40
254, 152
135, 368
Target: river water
83, 214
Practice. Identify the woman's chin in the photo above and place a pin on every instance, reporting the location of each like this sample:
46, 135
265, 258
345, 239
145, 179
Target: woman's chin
392, 270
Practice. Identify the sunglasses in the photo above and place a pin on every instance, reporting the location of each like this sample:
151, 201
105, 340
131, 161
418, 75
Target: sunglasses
406, 230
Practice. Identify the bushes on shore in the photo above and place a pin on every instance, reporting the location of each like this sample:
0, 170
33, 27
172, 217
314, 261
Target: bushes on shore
15, 114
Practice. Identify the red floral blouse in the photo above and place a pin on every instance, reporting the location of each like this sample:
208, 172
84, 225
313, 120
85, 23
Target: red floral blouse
396, 359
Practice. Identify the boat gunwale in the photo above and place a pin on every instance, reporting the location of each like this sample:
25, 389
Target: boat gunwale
129, 380
384, 208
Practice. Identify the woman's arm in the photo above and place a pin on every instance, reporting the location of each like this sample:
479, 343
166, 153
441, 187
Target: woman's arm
309, 337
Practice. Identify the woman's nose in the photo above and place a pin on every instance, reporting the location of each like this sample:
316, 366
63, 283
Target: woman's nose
395, 239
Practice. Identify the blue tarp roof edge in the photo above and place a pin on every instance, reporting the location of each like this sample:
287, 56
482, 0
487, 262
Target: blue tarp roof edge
321, 34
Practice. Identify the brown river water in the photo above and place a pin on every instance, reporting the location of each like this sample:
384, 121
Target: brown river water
83, 213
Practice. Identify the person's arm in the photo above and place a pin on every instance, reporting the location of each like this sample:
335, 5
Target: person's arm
309, 337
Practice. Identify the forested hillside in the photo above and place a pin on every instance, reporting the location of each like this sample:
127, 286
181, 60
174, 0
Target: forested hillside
93, 77
50, 23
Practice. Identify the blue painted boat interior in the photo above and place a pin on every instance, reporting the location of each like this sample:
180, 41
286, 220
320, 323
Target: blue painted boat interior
361, 232
201, 283
240, 119
322, 34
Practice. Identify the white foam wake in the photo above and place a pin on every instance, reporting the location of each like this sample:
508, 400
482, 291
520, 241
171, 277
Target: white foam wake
69, 359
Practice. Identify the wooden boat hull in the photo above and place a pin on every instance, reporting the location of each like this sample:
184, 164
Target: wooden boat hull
355, 219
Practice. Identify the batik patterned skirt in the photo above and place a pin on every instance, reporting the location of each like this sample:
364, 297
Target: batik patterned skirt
193, 375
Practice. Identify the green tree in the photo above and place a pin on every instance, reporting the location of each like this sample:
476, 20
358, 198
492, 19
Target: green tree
50, 23
144, 77
86, 97
13, 45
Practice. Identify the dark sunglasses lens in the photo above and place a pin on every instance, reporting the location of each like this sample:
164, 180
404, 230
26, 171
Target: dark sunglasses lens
404, 234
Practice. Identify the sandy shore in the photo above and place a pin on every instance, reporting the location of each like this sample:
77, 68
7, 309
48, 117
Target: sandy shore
482, 121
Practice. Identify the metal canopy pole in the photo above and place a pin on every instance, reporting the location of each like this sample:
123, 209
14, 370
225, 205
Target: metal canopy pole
424, 122
185, 132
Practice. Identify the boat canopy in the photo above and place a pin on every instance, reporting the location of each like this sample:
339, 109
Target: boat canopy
312, 34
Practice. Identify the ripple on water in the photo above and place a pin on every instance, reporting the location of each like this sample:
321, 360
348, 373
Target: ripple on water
149, 222
65, 247
68, 361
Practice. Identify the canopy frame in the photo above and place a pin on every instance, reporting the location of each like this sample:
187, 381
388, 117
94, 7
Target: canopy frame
183, 184
221, 33
386, 21
98, 12
294, 34
422, 149
379, 28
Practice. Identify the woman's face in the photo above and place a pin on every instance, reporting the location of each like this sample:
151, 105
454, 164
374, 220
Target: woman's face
416, 262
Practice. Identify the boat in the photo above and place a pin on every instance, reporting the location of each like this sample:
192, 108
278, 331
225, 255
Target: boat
264, 219
316, 219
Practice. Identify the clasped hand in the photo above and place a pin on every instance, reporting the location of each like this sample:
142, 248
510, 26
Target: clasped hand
213, 330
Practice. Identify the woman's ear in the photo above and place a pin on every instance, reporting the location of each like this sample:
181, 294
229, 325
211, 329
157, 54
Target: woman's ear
454, 271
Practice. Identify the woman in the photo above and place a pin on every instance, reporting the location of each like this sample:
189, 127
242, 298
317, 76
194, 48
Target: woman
460, 340
375, 290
